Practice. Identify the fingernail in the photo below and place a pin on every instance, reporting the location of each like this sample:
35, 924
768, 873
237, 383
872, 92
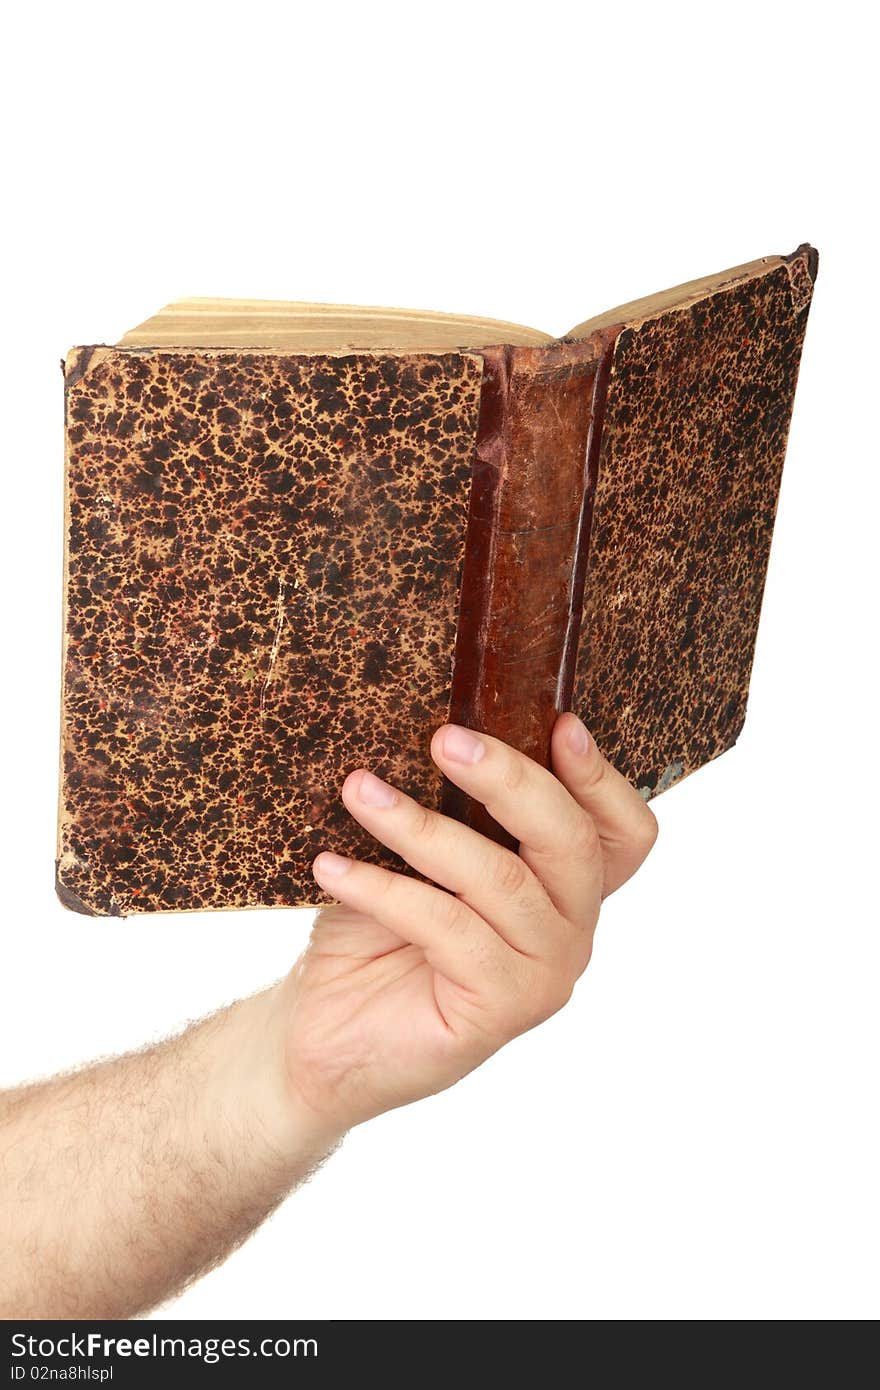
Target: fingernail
328, 865
578, 738
374, 792
461, 746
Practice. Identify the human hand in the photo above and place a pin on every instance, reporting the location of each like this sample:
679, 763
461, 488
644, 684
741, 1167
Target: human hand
404, 988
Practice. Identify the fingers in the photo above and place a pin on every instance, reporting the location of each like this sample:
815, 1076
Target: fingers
558, 839
626, 826
582, 832
489, 878
455, 940
582, 826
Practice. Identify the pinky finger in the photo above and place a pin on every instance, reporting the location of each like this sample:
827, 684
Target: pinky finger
455, 940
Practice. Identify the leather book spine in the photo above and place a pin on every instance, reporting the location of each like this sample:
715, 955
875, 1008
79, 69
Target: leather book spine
523, 573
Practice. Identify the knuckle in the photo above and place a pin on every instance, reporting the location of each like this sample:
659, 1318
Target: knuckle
548, 994
530, 996
648, 830
587, 845
449, 912
513, 773
493, 970
644, 833
424, 822
388, 885
508, 873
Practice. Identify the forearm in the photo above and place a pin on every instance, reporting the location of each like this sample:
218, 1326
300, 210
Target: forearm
121, 1183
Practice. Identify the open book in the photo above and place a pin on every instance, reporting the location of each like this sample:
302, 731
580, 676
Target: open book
300, 537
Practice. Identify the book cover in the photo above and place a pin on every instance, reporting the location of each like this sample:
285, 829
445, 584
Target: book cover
296, 545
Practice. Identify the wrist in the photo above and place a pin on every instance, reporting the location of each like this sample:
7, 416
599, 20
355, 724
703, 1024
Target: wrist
249, 1082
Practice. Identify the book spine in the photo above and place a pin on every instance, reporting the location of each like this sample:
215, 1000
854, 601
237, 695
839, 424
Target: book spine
525, 557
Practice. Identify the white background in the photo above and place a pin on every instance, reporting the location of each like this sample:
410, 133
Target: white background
695, 1136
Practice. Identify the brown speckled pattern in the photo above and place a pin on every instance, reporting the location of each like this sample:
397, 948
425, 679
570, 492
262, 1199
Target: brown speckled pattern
264, 558
694, 436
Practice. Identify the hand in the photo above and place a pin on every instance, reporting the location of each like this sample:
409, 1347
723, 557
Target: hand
405, 988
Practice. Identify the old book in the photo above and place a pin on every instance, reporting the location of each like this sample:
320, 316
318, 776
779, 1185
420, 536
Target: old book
299, 538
